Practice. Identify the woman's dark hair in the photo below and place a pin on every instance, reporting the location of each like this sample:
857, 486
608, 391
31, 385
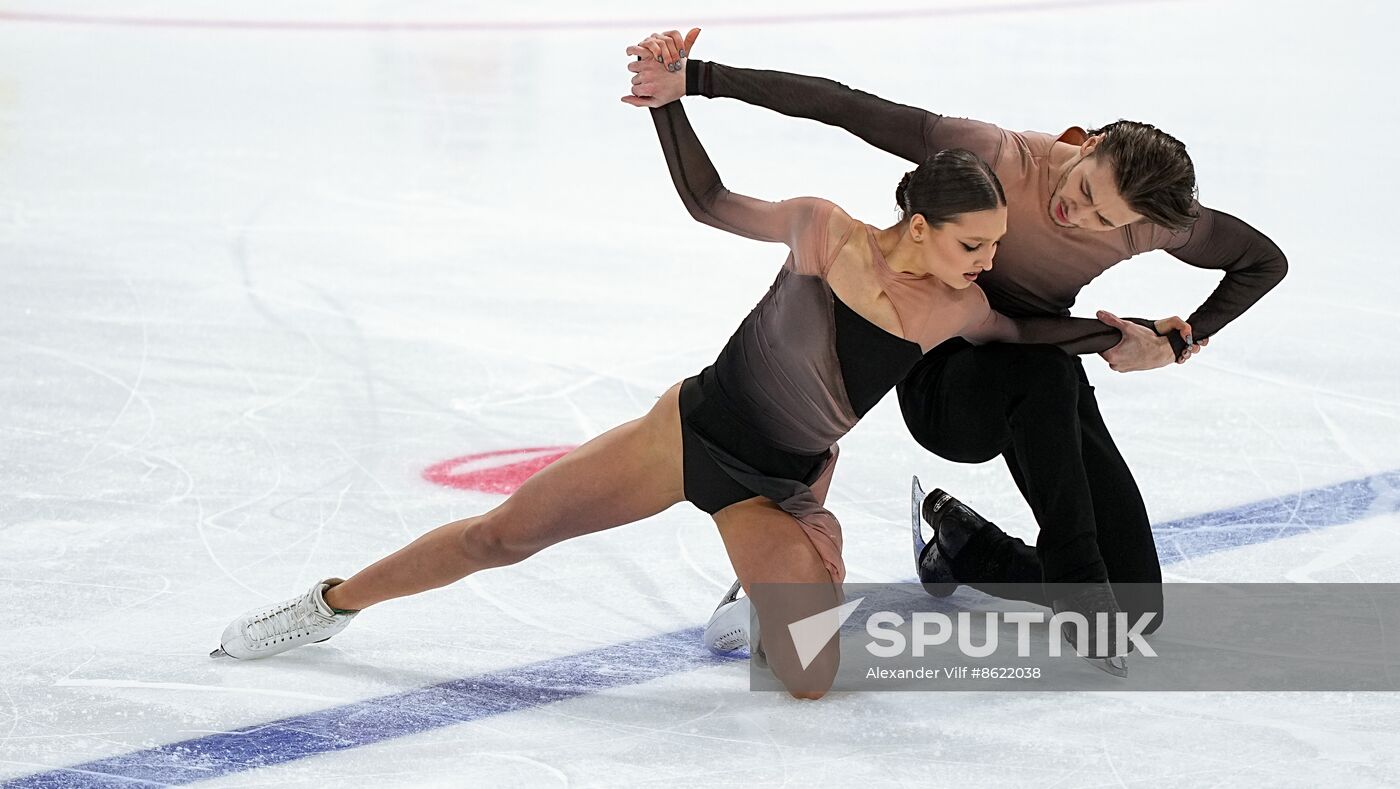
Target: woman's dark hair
948, 184
1152, 171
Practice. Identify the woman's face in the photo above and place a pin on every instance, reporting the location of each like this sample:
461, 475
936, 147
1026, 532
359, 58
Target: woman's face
962, 248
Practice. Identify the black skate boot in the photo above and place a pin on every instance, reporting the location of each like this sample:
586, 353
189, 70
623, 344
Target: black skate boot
1090, 600
953, 524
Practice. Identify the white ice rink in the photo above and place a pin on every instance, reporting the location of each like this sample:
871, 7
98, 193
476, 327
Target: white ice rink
263, 264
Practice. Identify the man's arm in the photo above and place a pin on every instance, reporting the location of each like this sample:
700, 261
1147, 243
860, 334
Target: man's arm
907, 132
895, 128
1252, 263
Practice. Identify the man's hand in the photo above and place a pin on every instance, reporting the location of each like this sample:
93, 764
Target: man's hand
658, 73
1141, 348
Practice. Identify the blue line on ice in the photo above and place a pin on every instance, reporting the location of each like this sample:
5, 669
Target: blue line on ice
534, 685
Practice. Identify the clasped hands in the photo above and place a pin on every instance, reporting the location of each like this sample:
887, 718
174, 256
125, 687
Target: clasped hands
658, 73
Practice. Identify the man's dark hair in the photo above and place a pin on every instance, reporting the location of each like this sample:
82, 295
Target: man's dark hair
949, 183
1152, 170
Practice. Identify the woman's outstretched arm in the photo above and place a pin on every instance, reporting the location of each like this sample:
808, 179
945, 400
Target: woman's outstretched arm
705, 195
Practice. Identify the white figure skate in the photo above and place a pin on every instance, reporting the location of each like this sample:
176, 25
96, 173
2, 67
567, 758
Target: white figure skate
276, 628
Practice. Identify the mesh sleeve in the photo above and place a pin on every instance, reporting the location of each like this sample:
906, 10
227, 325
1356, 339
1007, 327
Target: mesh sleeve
907, 132
1071, 335
895, 128
1252, 263
710, 203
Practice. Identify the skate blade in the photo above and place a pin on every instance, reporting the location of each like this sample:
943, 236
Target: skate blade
917, 496
220, 653
1117, 666
732, 594
916, 502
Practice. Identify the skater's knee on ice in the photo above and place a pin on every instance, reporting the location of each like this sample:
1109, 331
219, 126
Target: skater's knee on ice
800, 627
813, 683
810, 682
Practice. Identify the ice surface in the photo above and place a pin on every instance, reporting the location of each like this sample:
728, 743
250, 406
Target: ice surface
258, 277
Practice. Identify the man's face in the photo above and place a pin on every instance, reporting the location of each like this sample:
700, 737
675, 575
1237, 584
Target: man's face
1087, 198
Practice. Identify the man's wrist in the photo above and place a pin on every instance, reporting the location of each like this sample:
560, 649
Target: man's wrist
1173, 337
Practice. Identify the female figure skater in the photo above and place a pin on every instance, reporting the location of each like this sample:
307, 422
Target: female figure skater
751, 440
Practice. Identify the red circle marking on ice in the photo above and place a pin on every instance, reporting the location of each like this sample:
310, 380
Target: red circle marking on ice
501, 471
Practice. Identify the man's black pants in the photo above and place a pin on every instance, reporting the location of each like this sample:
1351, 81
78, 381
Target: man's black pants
1033, 405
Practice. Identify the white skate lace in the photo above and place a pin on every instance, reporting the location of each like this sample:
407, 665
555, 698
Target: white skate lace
285, 619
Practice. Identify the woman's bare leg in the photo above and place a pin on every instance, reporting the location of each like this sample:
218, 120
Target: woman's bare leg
767, 546
624, 475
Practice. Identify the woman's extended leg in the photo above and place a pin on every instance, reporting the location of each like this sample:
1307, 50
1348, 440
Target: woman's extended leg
786, 580
626, 474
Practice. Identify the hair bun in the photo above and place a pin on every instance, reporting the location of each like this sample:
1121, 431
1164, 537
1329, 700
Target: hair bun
901, 192
948, 184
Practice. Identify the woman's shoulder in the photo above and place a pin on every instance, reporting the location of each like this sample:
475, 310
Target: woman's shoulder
972, 301
957, 305
973, 294
836, 228
839, 222
821, 211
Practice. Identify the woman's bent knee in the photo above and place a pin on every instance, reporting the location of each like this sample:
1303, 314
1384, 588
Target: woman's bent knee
811, 679
816, 680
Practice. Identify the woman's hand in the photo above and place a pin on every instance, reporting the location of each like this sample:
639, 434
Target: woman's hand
1175, 322
658, 73
670, 49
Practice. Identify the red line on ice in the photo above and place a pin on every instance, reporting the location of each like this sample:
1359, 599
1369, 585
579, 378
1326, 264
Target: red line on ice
503, 476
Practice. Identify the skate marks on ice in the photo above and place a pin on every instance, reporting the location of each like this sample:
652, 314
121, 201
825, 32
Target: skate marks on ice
585, 673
